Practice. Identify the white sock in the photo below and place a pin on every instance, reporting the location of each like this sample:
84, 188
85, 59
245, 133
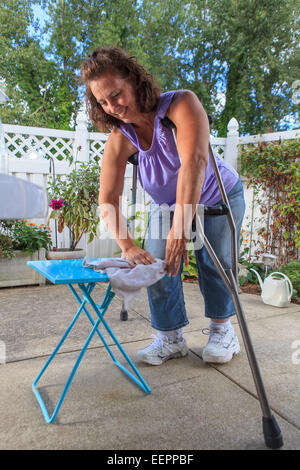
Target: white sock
173, 335
227, 324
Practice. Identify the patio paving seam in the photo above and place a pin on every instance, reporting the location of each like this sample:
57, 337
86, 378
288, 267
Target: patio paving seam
138, 313
277, 315
245, 389
89, 348
101, 346
234, 317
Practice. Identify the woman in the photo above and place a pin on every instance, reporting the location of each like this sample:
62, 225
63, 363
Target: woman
123, 97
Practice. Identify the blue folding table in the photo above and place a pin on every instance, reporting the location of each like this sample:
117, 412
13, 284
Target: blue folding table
72, 272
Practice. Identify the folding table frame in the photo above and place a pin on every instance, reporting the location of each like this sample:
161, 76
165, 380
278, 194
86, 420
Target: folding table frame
72, 272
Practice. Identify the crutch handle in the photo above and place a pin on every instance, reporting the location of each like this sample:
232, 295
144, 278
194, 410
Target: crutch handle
211, 211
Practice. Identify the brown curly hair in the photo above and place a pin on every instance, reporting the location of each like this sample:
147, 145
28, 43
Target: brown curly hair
113, 59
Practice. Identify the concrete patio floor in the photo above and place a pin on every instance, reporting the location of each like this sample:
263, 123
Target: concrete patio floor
192, 405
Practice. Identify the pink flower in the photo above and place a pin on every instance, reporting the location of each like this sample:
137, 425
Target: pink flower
56, 204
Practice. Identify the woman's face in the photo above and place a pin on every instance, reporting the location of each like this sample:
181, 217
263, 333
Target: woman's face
116, 96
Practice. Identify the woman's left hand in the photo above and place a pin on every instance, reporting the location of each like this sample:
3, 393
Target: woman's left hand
175, 249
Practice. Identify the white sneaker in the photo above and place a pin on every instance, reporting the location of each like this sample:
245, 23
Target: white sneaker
222, 345
162, 350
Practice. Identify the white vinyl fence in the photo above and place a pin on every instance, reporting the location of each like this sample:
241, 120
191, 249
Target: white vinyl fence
24, 143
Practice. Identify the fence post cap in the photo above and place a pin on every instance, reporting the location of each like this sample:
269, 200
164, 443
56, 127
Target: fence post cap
81, 118
233, 126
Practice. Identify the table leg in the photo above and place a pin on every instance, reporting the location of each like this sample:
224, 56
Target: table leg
48, 418
140, 381
100, 311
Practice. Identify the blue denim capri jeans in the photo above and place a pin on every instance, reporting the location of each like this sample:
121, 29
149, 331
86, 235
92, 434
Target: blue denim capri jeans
166, 297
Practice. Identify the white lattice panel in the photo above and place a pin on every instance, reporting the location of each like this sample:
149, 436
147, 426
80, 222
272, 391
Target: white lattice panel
219, 150
19, 145
59, 143
96, 148
96, 144
218, 145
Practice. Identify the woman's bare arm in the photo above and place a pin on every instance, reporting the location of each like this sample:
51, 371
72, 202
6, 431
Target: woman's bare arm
190, 119
117, 151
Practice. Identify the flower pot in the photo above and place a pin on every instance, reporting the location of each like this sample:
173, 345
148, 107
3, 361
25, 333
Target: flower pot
15, 272
65, 253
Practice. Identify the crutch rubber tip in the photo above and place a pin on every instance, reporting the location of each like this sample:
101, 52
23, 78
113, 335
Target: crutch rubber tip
272, 433
124, 315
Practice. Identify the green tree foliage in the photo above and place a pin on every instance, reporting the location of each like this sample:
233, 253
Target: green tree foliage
202, 65
238, 56
24, 70
259, 49
64, 47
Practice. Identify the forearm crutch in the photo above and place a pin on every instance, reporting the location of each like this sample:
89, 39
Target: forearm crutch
271, 430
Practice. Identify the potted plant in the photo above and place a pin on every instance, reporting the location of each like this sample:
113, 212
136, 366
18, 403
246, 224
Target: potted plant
73, 199
21, 241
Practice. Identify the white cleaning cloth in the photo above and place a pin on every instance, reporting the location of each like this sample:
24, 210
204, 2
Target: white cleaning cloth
127, 281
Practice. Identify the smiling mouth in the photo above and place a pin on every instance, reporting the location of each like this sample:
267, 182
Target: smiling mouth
121, 116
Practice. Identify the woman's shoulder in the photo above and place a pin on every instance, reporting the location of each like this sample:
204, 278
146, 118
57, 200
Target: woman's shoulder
184, 95
165, 100
118, 140
184, 101
178, 94
174, 97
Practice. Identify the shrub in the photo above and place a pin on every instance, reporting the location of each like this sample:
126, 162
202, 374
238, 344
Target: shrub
292, 270
273, 169
73, 199
22, 235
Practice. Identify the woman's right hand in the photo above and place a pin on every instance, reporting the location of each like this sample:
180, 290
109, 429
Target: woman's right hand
135, 255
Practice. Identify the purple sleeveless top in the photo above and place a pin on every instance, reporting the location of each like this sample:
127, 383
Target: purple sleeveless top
159, 165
